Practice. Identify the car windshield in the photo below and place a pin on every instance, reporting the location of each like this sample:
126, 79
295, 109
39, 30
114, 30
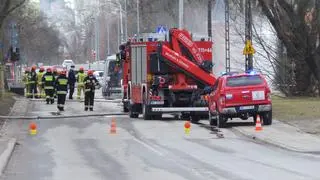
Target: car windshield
244, 81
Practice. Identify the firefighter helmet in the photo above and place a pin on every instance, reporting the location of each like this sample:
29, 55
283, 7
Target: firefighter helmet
48, 69
63, 72
81, 69
90, 72
33, 68
41, 69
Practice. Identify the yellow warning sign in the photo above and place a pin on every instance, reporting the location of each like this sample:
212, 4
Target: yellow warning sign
248, 48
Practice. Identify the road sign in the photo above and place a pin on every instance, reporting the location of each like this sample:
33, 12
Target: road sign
248, 48
161, 30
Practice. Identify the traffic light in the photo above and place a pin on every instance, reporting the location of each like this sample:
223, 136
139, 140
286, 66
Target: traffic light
14, 54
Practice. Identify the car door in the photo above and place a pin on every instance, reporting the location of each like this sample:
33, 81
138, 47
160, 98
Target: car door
212, 96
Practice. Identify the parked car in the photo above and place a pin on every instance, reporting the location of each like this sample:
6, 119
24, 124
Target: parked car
240, 95
67, 63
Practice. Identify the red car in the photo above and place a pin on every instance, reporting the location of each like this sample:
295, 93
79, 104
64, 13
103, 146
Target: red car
240, 95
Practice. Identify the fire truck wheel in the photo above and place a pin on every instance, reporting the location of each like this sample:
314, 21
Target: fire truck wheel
133, 114
157, 117
125, 107
145, 112
194, 118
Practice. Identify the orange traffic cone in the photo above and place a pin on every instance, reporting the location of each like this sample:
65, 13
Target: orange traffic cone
113, 129
32, 128
258, 124
187, 127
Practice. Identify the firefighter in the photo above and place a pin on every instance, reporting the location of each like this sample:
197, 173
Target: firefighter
80, 77
39, 83
48, 84
55, 74
26, 82
90, 83
71, 80
61, 89
32, 81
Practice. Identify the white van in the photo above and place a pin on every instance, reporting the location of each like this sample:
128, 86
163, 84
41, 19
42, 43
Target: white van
111, 77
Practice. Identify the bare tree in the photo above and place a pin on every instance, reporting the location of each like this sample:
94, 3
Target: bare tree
8, 6
297, 26
39, 42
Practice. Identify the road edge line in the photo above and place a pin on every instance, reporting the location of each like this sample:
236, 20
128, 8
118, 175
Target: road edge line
272, 143
6, 155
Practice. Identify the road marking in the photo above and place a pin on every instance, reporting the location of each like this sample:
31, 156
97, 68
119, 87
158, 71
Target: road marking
148, 146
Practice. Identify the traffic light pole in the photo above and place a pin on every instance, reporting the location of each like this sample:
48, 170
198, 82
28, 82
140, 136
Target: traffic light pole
248, 33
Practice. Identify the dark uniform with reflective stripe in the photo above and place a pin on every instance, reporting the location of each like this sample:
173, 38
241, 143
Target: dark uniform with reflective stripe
89, 87
62, 90
48, 81
32, 80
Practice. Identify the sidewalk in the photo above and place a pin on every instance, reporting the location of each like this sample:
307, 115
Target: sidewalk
284, 136
6, 149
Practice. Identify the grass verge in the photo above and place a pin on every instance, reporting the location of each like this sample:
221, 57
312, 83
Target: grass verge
296, 108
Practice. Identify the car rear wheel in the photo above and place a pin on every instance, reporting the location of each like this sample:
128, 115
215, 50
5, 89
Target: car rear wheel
267, 118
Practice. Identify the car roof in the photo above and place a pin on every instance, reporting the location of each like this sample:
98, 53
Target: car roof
237, 74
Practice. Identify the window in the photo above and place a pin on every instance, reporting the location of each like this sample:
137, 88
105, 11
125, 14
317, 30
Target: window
244, 81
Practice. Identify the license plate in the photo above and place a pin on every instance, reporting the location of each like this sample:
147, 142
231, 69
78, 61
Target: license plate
258, 95
246, 107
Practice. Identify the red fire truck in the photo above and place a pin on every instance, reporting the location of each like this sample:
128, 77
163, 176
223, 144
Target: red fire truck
166, 75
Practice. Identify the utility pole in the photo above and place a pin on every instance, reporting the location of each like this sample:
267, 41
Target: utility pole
227, 35
138, 19
180, 14
126, 20
121, 24
2, 63
248, 33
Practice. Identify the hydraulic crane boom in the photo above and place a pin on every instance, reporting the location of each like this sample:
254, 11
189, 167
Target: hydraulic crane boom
182, 43
186, 65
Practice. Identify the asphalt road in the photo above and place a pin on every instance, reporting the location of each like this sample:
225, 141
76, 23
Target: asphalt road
83, 148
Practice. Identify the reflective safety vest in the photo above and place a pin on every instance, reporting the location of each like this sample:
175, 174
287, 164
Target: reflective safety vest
90, 82
39, 77
80, 78
48, 81
32, 77
25, 78
62, 84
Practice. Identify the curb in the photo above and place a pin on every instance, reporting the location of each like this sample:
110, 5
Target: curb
5, 156
61, 116
272, 143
